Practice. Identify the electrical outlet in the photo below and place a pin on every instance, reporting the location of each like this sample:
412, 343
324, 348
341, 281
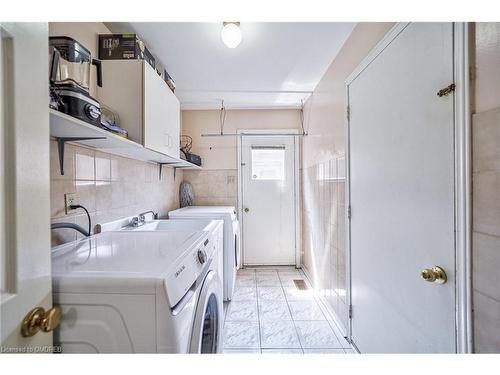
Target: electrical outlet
69, 200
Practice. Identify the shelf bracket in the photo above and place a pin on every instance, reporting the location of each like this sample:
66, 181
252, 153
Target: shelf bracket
60, 147
161, 166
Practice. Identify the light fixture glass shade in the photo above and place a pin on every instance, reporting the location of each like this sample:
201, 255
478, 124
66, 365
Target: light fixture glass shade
231, 35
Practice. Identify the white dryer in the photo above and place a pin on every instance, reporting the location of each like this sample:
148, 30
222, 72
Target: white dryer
231, 242
138, 292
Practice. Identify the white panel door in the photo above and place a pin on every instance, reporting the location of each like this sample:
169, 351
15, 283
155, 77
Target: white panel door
24, 185
268, 200
401, 142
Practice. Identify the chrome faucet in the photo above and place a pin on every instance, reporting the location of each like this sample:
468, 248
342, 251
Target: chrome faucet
136, 222
142, 217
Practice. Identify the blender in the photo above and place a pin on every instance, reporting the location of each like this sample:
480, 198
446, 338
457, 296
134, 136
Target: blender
70, 65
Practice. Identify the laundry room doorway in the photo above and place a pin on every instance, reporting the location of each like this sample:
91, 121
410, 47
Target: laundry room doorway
268, 197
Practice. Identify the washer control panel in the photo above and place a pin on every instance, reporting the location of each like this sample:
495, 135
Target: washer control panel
188, 269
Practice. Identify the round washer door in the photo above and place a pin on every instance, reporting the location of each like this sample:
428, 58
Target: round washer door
207, 328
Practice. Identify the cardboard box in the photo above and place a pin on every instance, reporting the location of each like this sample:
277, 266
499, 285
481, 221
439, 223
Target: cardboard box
123, 47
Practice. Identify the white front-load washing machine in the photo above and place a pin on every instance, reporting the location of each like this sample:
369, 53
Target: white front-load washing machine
231, 242
138, 292
214, 228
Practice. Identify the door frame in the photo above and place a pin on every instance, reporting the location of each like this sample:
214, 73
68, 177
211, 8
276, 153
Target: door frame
463, 179
297, 192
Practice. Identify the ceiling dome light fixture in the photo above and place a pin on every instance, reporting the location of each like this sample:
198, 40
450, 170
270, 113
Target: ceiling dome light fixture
231, 34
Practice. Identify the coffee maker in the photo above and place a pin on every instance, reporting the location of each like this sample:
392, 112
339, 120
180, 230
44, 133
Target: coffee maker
70, 65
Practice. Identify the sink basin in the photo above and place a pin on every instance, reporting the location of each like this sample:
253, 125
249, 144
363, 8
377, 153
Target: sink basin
174, 225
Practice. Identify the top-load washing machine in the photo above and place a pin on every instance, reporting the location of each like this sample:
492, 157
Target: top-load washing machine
138, 292
231, 242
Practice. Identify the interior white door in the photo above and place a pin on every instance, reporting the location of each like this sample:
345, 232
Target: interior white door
401, 142
24, 186
268, 199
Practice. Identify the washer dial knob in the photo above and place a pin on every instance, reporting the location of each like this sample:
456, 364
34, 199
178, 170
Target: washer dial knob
92, 111
202, 256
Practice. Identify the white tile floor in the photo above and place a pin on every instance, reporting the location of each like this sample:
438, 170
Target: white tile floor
269, 315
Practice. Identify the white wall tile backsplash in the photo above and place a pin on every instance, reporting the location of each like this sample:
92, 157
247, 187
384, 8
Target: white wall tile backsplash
109, 186
486, 188
213, 187
486, 226
324, 231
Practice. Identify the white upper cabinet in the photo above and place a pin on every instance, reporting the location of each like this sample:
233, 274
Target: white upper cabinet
161, 114
148, 109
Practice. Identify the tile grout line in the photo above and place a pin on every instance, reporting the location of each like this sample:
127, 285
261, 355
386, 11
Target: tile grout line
331, 323
258, 309
294, 321
285, 300
328, 318
319, 305
243, 321
291, 316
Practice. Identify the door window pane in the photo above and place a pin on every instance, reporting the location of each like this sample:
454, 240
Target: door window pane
268, 163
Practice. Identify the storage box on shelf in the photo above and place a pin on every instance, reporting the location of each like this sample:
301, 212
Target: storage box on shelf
124, 46
69, 129
148, 109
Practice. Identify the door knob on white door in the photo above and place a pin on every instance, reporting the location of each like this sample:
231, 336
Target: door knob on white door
40, 320
434, 275
246, 209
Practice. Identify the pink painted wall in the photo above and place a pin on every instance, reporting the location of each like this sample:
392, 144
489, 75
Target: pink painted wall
323, 170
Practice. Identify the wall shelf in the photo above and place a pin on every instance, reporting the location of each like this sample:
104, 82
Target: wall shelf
69, 129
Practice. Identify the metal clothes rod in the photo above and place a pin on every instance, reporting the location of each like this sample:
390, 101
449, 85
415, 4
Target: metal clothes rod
253, 134
267, 147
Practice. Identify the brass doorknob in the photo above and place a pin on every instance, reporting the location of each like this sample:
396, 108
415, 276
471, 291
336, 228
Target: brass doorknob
434, 275
39, 319
247, 209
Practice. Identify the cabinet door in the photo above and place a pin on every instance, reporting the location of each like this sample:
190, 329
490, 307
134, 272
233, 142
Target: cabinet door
161, 115
122, 93
173, 124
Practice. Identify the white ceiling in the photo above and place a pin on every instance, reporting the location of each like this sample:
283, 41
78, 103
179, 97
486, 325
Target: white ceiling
276, 65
